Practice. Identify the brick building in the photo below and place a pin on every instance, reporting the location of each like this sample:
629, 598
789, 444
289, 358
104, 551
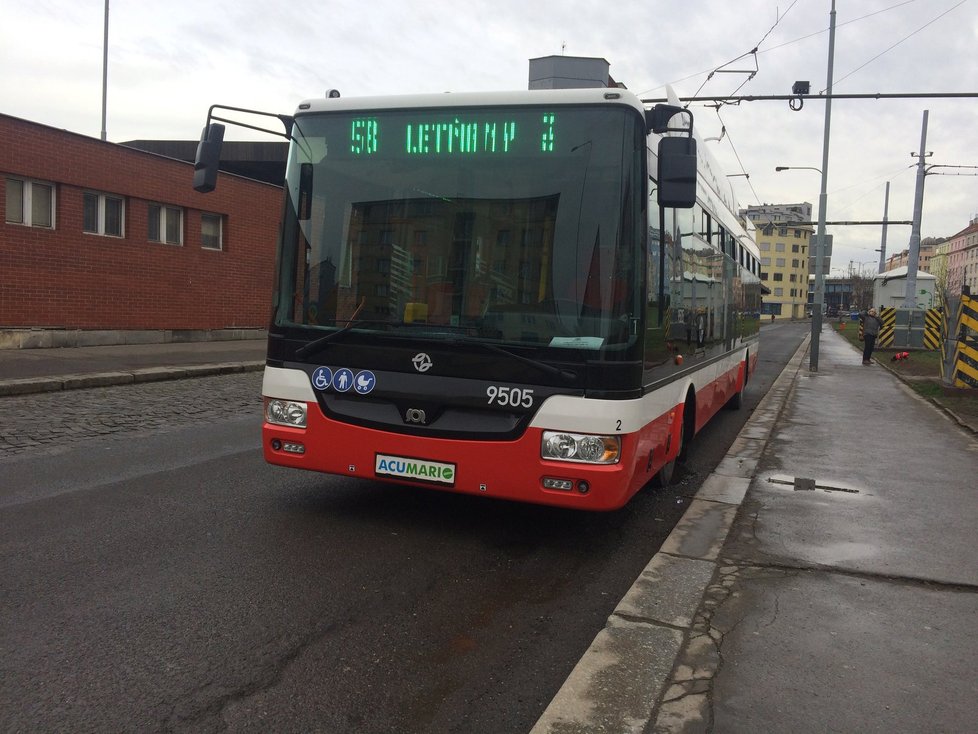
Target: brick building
101, 237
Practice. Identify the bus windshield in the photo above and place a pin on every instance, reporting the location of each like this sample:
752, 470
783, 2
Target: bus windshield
514, 225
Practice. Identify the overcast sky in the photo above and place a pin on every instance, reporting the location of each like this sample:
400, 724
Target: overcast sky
168, 61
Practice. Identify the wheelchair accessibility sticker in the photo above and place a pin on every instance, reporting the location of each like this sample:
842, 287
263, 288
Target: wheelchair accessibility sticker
343, 379
322, 377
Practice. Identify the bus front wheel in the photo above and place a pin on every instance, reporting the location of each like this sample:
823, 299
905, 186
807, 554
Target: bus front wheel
667, 473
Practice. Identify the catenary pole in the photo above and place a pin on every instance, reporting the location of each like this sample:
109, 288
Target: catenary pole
886, 208
819, 297
105, 66
910, 296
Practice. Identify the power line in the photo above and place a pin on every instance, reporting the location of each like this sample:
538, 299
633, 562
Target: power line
839, 25
900, 41
753, 52
729, 99
736, 154
786, 43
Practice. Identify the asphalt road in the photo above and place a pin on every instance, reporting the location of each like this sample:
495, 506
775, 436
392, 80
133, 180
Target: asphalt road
158, 576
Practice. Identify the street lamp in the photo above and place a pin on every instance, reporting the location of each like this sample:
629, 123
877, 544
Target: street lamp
797, 168
818, 298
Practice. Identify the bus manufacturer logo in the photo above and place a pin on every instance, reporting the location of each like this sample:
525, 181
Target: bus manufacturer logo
422, 362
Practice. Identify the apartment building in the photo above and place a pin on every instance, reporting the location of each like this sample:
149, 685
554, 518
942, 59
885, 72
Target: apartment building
962, 260
784, 237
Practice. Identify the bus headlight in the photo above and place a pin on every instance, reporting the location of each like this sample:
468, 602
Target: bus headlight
579, 447
285, 412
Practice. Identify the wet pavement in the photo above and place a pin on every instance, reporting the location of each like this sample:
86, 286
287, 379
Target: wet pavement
823, 579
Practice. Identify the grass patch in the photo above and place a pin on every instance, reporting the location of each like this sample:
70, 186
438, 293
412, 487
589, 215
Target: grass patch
927, 389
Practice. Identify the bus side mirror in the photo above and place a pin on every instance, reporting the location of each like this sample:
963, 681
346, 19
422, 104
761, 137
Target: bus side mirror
677, 172
208, 158
657, 119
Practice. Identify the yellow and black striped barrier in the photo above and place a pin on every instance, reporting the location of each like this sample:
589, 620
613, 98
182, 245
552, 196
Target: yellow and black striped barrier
885, 337
964, 371
933, 323
945, 331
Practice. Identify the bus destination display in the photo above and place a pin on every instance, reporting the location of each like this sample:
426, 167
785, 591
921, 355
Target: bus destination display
453, 136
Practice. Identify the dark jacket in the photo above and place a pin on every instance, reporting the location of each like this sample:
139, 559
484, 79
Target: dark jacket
871, 324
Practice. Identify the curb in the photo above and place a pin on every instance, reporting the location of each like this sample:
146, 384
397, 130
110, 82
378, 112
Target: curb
33, 385
619, 683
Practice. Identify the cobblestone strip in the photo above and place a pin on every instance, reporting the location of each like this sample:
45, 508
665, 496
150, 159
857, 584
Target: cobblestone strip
45, 422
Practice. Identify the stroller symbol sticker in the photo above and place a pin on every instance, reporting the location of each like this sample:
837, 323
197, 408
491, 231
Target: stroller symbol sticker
364, 382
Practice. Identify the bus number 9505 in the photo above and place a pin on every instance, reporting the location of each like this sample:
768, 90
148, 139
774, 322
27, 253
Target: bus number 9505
511, 397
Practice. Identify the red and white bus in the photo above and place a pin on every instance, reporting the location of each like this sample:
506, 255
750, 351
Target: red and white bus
537, 296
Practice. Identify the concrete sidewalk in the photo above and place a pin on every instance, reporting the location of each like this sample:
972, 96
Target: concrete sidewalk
823, 579
24, 371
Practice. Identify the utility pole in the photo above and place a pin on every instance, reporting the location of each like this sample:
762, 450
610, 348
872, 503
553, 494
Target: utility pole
819, 296
886, 207
105, 66
910, 297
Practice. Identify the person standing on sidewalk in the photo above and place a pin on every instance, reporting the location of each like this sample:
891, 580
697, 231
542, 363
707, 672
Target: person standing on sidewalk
871, 329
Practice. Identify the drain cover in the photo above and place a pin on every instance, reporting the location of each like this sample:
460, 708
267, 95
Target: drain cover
804, 484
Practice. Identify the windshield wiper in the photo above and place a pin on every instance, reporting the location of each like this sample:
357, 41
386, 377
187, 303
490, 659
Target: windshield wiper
548, 368
317, 345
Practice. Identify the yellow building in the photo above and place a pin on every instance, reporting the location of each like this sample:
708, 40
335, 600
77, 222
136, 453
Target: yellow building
784, 234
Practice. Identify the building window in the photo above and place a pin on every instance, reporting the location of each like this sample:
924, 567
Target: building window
779, 262
779, 291
778, 276
765, 246
794, 248
212, 231
103, 214
765, 261
165, 224
30, 203
779, 247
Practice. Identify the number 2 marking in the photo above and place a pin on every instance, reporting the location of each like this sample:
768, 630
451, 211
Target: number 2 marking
618, 427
